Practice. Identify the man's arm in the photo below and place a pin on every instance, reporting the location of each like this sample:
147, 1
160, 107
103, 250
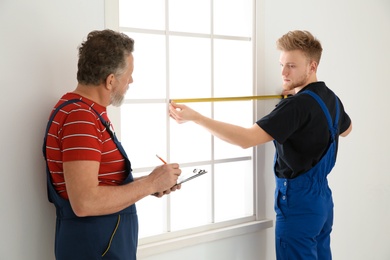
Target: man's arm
237, 135
87, 198
346, 132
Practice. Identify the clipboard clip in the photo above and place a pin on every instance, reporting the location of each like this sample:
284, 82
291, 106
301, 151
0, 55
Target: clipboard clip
198, 172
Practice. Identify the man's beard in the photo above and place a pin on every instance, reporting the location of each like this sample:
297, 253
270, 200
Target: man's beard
116, 98
301, 82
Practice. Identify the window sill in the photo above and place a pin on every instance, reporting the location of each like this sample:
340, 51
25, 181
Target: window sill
148, 249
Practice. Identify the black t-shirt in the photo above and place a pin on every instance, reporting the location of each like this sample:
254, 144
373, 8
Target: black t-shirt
301, 131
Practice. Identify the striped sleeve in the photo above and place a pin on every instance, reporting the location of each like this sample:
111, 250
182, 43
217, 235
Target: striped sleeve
80, 136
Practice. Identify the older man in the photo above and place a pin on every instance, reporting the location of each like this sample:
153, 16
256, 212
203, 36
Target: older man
89, 176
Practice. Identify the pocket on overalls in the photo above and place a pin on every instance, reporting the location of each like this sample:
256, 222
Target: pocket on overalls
281, 249
112, 235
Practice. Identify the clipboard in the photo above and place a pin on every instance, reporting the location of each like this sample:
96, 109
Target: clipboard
197, 173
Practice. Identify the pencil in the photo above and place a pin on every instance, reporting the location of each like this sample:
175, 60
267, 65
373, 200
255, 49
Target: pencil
161, 159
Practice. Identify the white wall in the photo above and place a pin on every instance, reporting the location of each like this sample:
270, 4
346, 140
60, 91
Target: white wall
355, 35
38, 55
38, 63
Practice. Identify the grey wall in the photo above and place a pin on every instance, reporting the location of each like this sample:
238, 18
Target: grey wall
38, 55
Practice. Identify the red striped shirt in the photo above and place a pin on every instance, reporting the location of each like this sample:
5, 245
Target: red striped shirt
77, 133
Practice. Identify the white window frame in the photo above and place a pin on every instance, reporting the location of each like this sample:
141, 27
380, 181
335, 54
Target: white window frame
207, 233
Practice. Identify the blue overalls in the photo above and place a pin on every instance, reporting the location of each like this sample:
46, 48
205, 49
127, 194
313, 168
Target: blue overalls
304, 205
112, 236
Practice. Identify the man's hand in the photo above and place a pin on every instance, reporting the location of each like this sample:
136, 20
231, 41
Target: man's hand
160, 194
181, 113
290, 92
164, 178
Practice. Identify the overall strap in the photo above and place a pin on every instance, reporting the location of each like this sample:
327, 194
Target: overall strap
51, 191
50, 188
71, 101
333, 126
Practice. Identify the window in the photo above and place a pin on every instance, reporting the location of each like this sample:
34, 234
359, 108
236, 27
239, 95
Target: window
189, 49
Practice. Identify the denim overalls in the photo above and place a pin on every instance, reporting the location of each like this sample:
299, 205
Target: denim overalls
112, 236
304, 206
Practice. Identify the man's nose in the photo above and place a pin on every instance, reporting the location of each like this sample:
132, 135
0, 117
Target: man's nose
284, 71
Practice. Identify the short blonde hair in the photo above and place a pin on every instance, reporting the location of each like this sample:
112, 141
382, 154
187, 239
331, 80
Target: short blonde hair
301, 40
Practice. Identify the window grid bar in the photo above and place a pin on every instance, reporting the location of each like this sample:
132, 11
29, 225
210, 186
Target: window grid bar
200, 163
212, 112
188, 34
194, 230
145, 101
167, 61
255, 104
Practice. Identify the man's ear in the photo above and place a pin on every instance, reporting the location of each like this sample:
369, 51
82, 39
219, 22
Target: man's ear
313, 66
110, 80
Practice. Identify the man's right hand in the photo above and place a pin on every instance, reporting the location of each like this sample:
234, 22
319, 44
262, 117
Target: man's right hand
164, 177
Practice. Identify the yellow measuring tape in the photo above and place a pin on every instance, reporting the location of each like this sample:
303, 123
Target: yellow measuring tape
217, 99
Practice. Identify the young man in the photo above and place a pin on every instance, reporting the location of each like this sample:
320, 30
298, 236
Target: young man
305, 129
89, 176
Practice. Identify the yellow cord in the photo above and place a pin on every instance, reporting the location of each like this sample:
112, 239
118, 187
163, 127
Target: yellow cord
112, 235
189, 100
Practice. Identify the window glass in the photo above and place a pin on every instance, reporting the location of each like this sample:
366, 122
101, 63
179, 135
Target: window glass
183, 13
146, 14
233, 68
149, 67
189, 142
192, 203
239, 113
233, 190
144, 132
152, 214
233, 17
190, 67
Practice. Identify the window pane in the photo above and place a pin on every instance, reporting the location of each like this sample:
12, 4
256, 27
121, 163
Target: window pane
152, 214
146, 14
189, 142
233, 190
233, 17
149, 67
183, 13
141, 138
238, 113
233, 68
191, 206
190, 67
